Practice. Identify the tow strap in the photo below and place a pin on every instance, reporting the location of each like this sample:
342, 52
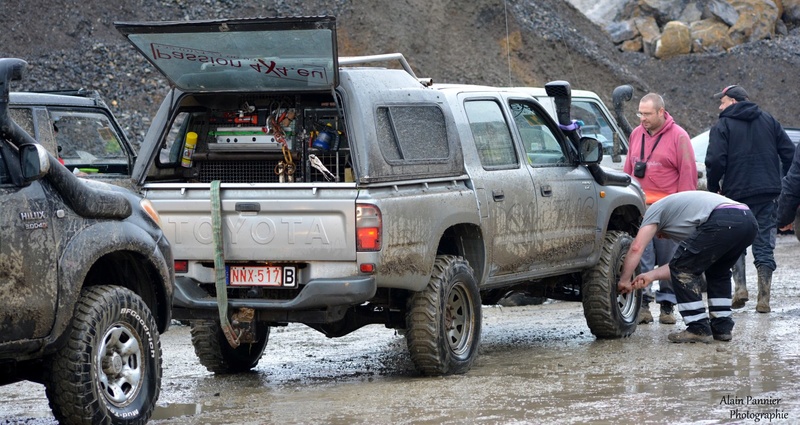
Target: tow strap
219, 266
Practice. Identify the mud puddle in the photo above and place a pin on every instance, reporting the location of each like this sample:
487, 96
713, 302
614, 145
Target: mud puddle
537, 364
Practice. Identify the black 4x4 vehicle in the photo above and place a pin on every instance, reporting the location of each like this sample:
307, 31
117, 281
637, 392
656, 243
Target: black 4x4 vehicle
79, 128
86, 280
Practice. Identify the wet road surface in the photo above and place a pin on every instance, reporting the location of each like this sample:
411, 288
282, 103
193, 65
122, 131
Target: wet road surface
537, 364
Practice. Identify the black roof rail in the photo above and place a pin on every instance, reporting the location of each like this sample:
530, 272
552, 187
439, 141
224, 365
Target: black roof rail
72, 92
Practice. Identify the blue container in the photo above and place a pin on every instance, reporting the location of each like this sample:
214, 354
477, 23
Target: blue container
323, 141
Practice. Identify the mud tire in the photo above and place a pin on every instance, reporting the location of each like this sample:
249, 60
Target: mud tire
111, 326
217, 355
443, 322
608, 313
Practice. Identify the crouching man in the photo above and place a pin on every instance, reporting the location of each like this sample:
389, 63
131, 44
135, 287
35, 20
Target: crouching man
713, 231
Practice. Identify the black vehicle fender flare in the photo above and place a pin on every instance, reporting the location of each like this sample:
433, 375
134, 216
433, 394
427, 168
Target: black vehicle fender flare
93, 243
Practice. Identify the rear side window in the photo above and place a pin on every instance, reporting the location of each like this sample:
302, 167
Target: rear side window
491, 134
87, 138
412, 134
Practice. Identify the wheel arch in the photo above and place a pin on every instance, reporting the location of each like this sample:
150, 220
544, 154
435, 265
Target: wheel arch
116, 253
625, 218
465, 240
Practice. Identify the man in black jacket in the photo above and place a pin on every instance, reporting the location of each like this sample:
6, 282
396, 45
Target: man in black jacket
789, 200
748, 153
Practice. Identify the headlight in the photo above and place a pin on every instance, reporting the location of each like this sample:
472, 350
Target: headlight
151, 211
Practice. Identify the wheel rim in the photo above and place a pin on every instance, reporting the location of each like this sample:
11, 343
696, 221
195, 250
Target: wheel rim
459, 319
626, 302
120, 365
627, 305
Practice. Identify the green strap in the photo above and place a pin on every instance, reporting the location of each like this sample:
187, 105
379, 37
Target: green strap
219, 265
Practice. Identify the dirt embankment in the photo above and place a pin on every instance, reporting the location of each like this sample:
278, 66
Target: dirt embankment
485, 42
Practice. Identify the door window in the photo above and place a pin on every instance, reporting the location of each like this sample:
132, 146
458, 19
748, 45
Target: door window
595, 124
539, 140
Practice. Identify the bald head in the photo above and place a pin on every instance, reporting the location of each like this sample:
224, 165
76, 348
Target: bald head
651, 112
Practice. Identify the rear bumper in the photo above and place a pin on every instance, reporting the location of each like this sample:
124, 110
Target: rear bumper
316, 294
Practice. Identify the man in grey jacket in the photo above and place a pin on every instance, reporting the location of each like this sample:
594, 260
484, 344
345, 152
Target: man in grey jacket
713, 231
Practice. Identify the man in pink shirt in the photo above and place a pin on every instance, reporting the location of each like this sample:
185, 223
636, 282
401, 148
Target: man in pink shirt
662, 160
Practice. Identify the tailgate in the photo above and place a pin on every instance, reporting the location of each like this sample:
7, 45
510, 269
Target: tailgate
260, 222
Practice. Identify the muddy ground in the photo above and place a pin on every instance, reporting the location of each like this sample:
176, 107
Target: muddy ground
537, 364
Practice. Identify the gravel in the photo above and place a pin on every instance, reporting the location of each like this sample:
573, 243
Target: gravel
483, 42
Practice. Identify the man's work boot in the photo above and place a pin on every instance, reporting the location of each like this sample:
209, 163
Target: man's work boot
686, 336
740, 295
666, 317
644, 314
764, 284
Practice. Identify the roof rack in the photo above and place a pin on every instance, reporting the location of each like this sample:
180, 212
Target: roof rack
358, 60
72, 92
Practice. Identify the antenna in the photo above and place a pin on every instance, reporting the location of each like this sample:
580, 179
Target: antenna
508, 42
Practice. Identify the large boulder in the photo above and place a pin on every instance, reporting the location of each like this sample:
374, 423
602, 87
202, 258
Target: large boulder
723, 11
621, 31
756, 21
662, 10
675, 40
648, 28
710, 35
691, 13
634, 45
791, 12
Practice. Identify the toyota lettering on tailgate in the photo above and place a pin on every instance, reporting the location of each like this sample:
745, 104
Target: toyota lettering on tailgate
261, 230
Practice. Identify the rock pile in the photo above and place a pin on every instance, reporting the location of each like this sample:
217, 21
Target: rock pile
666, 28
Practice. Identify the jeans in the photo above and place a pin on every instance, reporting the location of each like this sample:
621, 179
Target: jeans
766, 214
712, 249
658, 252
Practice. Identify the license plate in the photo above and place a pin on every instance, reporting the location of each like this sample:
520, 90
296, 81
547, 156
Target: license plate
261, 276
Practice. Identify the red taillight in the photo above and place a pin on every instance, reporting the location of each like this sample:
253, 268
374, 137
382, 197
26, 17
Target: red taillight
368, 228
181, 266
368, 239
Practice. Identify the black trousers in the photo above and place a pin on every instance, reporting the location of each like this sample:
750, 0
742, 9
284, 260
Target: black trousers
712, 249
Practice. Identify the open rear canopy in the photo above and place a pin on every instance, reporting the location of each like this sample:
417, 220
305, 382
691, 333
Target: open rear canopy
235, 55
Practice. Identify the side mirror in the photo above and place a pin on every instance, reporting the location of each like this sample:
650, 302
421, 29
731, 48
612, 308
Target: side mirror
591, 150
34, 162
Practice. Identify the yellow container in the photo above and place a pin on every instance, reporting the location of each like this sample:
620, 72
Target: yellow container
188, 149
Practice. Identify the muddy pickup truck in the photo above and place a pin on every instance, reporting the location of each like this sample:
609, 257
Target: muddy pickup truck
86, 280
299, 187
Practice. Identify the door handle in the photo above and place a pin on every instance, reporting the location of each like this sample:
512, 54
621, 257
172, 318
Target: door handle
248, 207
546, 190
498, 195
